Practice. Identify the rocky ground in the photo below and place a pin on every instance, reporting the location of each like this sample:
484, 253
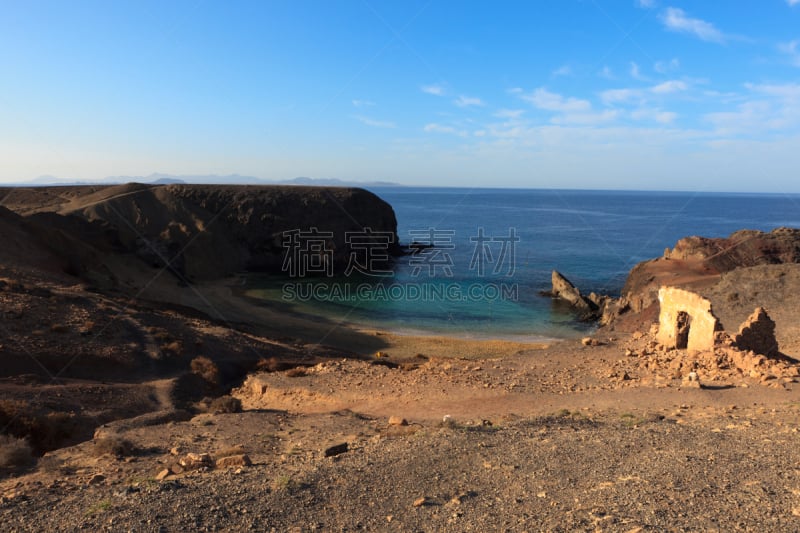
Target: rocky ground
555, 439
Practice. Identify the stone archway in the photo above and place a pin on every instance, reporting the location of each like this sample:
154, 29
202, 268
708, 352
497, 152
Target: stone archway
686, 320
682, 328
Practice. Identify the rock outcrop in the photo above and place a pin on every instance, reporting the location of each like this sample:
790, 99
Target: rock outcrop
698, 263
743, 248
587, 308
206, 232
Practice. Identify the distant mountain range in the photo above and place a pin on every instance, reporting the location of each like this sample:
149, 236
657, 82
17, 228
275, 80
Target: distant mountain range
208, 179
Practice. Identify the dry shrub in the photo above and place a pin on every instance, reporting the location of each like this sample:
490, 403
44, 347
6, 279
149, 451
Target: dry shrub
206, 369
15, 453
174, 347
297, 372
225, 404
273, 364
44, 430
114, 445
59, 328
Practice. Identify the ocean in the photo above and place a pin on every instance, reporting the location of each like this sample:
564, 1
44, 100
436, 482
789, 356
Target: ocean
494, 251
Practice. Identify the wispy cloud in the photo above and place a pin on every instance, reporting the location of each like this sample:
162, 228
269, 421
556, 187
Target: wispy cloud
671, 86
664, 67
770, 107
646, 4
621, 96
586, 119
436, 89
677, 20
375, 123
606, 73
563, 70
793, 2
509, 113
790, 49
468, 101
363, 103
636, 73
656, 114
435, 127
544, 99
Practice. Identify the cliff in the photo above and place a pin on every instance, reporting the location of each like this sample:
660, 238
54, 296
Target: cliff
206, 232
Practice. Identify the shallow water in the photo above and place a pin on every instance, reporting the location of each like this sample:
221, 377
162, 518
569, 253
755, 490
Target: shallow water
495, 250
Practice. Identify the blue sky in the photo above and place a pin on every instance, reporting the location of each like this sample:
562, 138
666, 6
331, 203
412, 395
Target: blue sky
629, 94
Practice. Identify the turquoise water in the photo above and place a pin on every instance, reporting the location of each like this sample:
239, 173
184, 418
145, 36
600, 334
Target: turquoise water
478, 283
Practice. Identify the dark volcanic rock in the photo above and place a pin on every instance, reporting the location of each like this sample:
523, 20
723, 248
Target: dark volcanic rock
208, 232
564, 289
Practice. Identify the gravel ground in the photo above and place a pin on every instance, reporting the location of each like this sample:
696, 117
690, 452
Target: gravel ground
564, 472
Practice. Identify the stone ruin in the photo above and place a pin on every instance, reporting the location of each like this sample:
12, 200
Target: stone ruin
689, 343
687, 321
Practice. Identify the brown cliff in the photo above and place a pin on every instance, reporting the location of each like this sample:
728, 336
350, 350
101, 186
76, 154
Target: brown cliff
203, 232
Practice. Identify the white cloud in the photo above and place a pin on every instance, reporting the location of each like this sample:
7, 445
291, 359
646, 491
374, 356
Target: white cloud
771, 108
509, 113
375, 123
363, 103
544, 99
664, 67
675, 19
586, 119
606, 73
434, 127
563, 70
787, 91
793, 2
468, 101
662, 117
636, 73
613, 96
436, 89
646, 4
790, 49
670, 86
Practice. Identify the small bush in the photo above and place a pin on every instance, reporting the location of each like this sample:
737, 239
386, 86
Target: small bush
273, 364
225, 404
45, 430
284, 483
296, 372
15, 453
174, 347
114, 445
206, 369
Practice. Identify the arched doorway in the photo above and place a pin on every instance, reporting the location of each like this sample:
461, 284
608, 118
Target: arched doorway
682, 327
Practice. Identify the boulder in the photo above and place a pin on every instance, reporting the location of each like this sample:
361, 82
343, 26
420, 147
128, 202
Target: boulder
193, 461
234, 460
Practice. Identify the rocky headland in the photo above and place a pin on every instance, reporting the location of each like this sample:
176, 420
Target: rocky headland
140, 391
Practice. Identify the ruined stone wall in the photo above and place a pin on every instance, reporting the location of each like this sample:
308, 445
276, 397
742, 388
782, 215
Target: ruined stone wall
702, 324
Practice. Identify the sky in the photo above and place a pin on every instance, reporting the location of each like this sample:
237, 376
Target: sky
626, 94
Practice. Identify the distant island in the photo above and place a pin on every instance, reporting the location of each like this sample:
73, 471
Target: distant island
201, 179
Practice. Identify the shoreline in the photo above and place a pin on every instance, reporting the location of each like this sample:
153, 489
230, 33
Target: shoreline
243, 291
